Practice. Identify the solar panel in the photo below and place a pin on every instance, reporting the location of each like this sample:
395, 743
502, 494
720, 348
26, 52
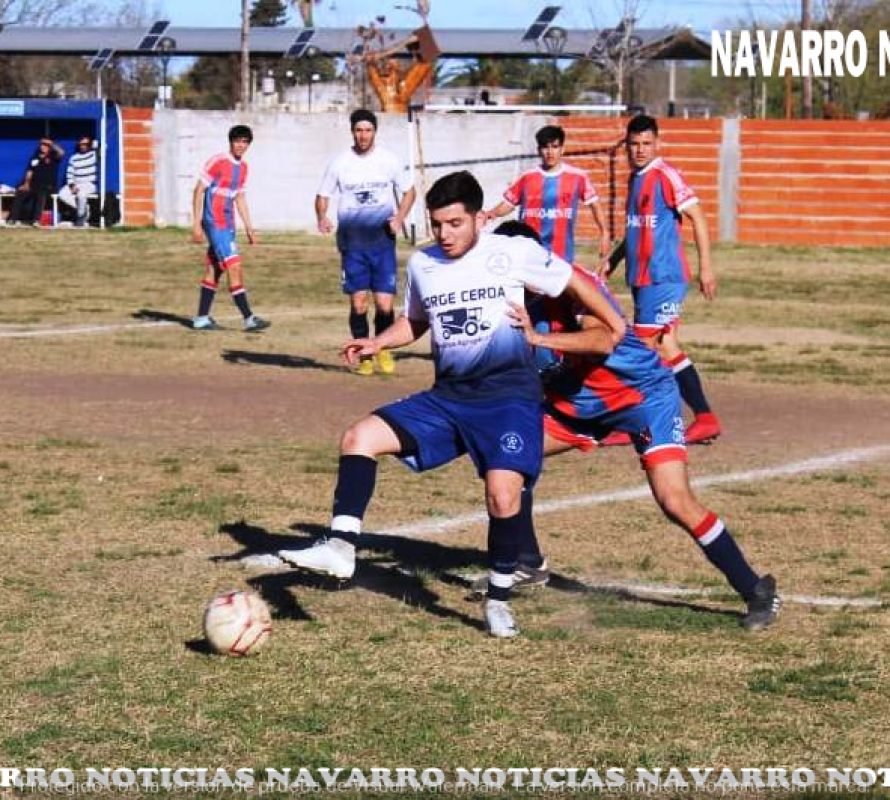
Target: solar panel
541, 23
300, 44
101, 59
151, 39
535, 32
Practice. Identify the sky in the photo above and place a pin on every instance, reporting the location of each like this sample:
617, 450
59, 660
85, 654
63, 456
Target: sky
701, 15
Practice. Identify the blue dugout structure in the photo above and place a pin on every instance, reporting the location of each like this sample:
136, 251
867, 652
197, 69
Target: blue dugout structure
24, 122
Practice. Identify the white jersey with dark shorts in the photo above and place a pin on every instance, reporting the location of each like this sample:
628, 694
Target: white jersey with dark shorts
486, 399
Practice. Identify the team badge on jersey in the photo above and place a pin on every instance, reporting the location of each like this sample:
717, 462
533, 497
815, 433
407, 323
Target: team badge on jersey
511, 442
498, 264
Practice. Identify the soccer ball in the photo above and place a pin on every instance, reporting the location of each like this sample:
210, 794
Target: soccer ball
237, 623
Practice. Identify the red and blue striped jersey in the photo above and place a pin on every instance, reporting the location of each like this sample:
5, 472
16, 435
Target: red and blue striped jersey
656, 198
224, 177
623, 379
549, 202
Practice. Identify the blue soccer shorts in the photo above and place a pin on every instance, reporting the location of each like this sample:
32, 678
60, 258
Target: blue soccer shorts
222, 246
496, 434
362, 270
655, 426
658, 307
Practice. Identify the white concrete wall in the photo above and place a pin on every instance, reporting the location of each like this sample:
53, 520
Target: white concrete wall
290, 151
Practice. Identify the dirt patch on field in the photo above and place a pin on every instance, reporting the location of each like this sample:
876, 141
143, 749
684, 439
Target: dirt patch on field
234, 405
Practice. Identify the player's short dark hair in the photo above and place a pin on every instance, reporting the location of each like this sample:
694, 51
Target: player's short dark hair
642, 123
240, 132
455, 187
550, 133
513, 227
362, 115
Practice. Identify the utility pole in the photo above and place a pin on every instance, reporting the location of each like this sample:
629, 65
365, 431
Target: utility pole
807, 85
245, 55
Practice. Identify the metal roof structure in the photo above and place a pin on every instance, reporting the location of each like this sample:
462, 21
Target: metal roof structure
656, 44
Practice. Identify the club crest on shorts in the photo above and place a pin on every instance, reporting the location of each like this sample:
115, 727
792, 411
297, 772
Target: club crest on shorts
511, 442
498, 264
678, 433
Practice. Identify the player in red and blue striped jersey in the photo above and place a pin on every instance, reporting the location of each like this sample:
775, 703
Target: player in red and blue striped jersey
657, 270
218, 193
595, 386
550, 196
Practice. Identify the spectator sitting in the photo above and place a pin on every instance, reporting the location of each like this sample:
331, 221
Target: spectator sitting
38, 184
80, 179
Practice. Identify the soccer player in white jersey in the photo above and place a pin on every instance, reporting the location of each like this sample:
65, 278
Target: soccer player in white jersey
364, 178
486, 399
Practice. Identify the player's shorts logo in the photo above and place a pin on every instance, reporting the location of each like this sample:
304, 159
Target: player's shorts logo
498, 264
678, 433
511, 442
668, 312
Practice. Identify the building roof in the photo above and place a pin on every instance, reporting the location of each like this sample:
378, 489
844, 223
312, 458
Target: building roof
662, 43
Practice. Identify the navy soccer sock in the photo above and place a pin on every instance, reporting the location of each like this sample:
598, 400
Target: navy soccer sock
722, 551
503, 554
356, 477
529, 549
206, 298
358, 325
239, 298
689, 384
382, 320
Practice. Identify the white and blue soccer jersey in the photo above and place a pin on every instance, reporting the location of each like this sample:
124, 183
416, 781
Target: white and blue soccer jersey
365, 201
478, 354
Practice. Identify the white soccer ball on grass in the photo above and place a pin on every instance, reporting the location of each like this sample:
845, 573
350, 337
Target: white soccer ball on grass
237, 623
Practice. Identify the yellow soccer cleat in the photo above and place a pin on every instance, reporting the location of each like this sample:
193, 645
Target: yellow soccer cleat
365, 367
385, 362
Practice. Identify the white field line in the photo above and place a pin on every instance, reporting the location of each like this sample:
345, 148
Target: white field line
13, 332
809, 465
643, 590
817, 464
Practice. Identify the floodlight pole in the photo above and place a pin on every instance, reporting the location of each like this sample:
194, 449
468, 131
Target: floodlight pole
313, 78
245, 55
166, 47
555, 41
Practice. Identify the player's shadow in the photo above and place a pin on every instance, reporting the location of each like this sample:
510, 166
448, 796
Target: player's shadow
408, 355
278, 360
394, 566
391, 566
162, 316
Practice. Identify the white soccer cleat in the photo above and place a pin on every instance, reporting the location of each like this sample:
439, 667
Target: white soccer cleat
499, 621
334, 557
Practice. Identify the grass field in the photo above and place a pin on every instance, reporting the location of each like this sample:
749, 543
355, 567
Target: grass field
141, 461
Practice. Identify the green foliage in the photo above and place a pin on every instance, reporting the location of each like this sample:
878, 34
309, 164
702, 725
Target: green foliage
832, 97
268, 14
543, 81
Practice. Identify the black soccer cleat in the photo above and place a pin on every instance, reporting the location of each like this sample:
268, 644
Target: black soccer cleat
763, 605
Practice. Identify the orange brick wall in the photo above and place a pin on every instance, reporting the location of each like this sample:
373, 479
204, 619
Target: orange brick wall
814, 182
692, 145
139, 167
